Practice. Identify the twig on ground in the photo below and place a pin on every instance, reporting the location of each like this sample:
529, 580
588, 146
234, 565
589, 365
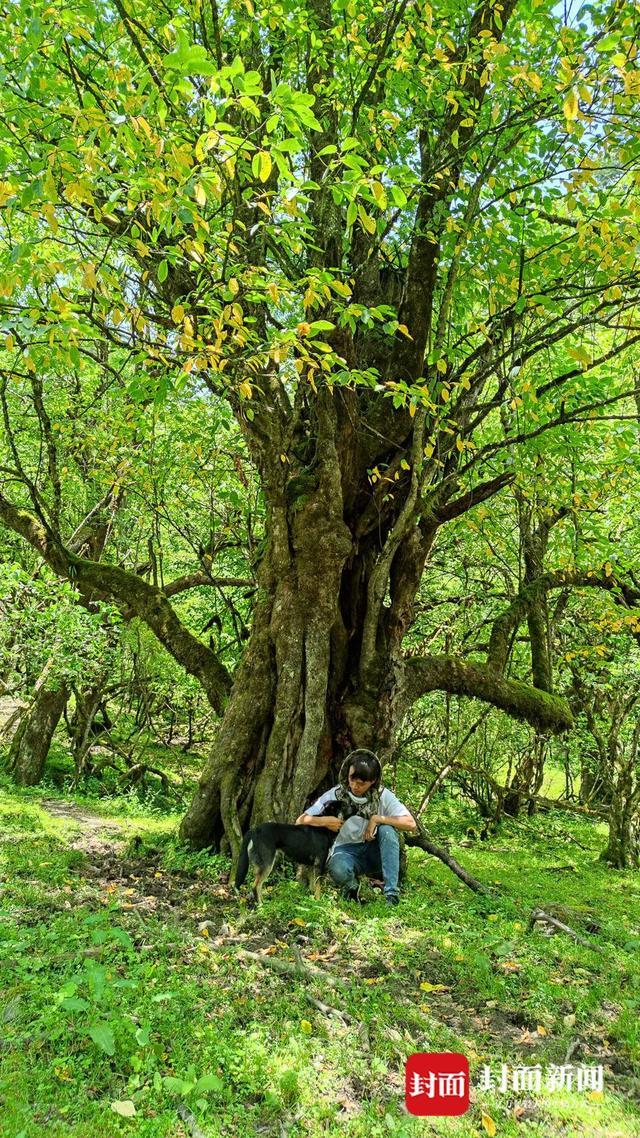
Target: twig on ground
285, 966
190, 1122
327, 1010
540, 915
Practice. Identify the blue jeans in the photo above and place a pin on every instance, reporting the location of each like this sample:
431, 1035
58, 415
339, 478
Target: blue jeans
379, 856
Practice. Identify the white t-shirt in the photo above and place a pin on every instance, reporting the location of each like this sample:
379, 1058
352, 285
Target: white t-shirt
353, 829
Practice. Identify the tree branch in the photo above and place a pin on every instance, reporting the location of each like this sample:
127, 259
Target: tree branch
143, 600
460, 677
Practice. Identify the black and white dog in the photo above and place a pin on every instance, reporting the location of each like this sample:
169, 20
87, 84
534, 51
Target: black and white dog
306, 846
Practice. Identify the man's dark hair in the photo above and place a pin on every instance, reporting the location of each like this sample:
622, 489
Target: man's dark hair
364, 764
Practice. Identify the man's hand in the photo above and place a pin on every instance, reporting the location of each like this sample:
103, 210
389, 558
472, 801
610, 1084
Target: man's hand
372, 826
330, 823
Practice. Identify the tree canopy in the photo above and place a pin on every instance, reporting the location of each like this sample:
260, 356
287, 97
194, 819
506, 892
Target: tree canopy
313, 289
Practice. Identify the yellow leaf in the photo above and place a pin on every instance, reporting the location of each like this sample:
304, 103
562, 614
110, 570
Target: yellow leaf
297, 921
50, 214
200, 194
405, 331
379, 194
596, 1096
427, 987
570, 106
489, 1125
304, 328
265, 166
177, 314
541, 1030
89, 279
608, 569
8, 343
442, 366
444, 394
306, 1027
245, 389
412, 409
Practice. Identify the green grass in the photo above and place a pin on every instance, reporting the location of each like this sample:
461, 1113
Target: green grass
110, 993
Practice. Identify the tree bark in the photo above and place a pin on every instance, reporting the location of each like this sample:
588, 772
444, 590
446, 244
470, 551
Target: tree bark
31, 742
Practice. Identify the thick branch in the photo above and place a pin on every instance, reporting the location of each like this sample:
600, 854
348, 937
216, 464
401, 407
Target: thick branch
142, 599
509, 620
460, 677
193, 580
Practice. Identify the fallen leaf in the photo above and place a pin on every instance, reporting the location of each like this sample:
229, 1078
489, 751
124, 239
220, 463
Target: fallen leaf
488, 1124
125, 1107
426, 987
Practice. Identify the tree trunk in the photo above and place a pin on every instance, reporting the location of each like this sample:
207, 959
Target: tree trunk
31, 742
623, 847
302, 696
84, 728
527, 778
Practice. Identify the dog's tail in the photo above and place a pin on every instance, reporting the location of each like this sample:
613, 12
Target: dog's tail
242, 867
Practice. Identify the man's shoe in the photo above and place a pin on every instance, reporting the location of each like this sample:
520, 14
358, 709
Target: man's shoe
392, 899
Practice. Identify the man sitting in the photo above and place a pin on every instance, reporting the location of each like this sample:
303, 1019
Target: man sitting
368, 842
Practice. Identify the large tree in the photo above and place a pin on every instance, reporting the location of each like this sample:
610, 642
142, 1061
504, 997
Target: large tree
398, 241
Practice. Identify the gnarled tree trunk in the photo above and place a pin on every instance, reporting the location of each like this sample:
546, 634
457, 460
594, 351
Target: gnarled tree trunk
31, 742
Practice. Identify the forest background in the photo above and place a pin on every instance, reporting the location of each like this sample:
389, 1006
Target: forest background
320, 411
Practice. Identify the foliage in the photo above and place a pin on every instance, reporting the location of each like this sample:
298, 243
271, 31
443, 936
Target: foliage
122, 1000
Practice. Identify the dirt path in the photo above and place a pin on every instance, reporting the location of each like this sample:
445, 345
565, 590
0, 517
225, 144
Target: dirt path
96, 836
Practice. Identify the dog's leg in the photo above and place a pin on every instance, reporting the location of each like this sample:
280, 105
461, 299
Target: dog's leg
260, 875
302, 876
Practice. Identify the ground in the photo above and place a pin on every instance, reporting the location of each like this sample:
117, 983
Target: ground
134, 980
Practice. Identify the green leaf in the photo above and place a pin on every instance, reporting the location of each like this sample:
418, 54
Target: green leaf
208, 1083
74, 1004
189, 59
163, 271
102, 1036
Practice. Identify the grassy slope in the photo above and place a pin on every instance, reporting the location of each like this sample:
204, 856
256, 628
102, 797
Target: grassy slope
110, 992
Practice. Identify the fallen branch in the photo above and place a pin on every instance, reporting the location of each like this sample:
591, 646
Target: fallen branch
190, 1122
425, 843
327, 1010
284, 966
540, 915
